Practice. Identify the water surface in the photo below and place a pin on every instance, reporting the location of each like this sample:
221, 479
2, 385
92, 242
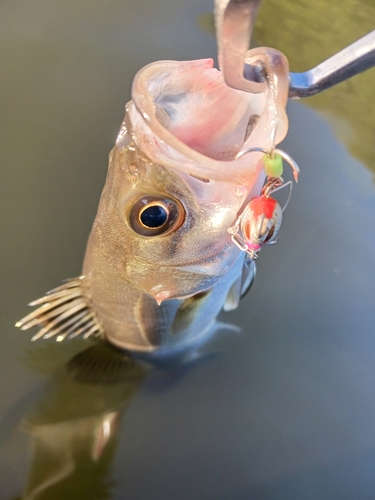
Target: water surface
285, 409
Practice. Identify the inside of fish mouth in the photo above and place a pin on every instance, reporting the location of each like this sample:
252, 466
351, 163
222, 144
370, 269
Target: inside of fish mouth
206, 181
213, 120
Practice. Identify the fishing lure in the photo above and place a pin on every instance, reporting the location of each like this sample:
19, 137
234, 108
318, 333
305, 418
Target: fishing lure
259, 223
160, 263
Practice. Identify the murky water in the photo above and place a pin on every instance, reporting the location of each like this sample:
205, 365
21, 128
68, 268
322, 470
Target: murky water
285, 409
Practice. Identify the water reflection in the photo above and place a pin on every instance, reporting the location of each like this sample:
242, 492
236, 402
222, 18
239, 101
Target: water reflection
72, 458
73, 427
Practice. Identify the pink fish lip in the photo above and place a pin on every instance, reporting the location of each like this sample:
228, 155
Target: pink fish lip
183, 149
207, 167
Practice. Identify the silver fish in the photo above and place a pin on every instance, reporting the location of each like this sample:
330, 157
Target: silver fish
160, 263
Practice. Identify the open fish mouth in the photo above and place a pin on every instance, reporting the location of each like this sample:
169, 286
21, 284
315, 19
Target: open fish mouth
184, 115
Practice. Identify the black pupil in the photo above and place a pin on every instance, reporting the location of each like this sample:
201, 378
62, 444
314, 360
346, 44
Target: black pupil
155, 216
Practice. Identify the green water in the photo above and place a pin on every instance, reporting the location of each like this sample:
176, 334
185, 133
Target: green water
283, 410
310, 32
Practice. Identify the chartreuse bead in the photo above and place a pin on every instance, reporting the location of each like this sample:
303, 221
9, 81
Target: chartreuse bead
273, 165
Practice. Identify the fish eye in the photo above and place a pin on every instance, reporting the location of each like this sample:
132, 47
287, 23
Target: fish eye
152, 216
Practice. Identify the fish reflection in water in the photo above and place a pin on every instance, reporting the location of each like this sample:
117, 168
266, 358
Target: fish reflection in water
160, 263
73, 428
71, 457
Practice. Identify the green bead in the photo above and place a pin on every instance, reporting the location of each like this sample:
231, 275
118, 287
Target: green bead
273, 165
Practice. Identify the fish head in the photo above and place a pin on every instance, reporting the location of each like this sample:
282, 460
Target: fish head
177, 180
164, 240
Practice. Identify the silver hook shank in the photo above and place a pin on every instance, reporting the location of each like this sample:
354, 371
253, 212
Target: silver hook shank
234, 21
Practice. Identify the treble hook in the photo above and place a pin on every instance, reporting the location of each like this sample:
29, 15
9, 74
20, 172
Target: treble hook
234, 20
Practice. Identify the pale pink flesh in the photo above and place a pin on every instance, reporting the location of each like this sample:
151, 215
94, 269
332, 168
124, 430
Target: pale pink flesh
195, 123
212, 118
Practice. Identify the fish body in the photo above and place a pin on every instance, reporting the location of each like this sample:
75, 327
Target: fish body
160, 263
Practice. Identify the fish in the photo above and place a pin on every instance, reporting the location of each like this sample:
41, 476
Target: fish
160, 263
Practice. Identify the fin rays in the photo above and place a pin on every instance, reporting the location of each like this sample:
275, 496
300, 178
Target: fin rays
63, 312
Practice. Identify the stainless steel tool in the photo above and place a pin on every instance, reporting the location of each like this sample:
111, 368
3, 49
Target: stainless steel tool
234, 20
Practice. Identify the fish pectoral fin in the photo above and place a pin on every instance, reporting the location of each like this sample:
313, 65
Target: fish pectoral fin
249, 272
241, 286
234, 295
188, 311
153, 320
63, 313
